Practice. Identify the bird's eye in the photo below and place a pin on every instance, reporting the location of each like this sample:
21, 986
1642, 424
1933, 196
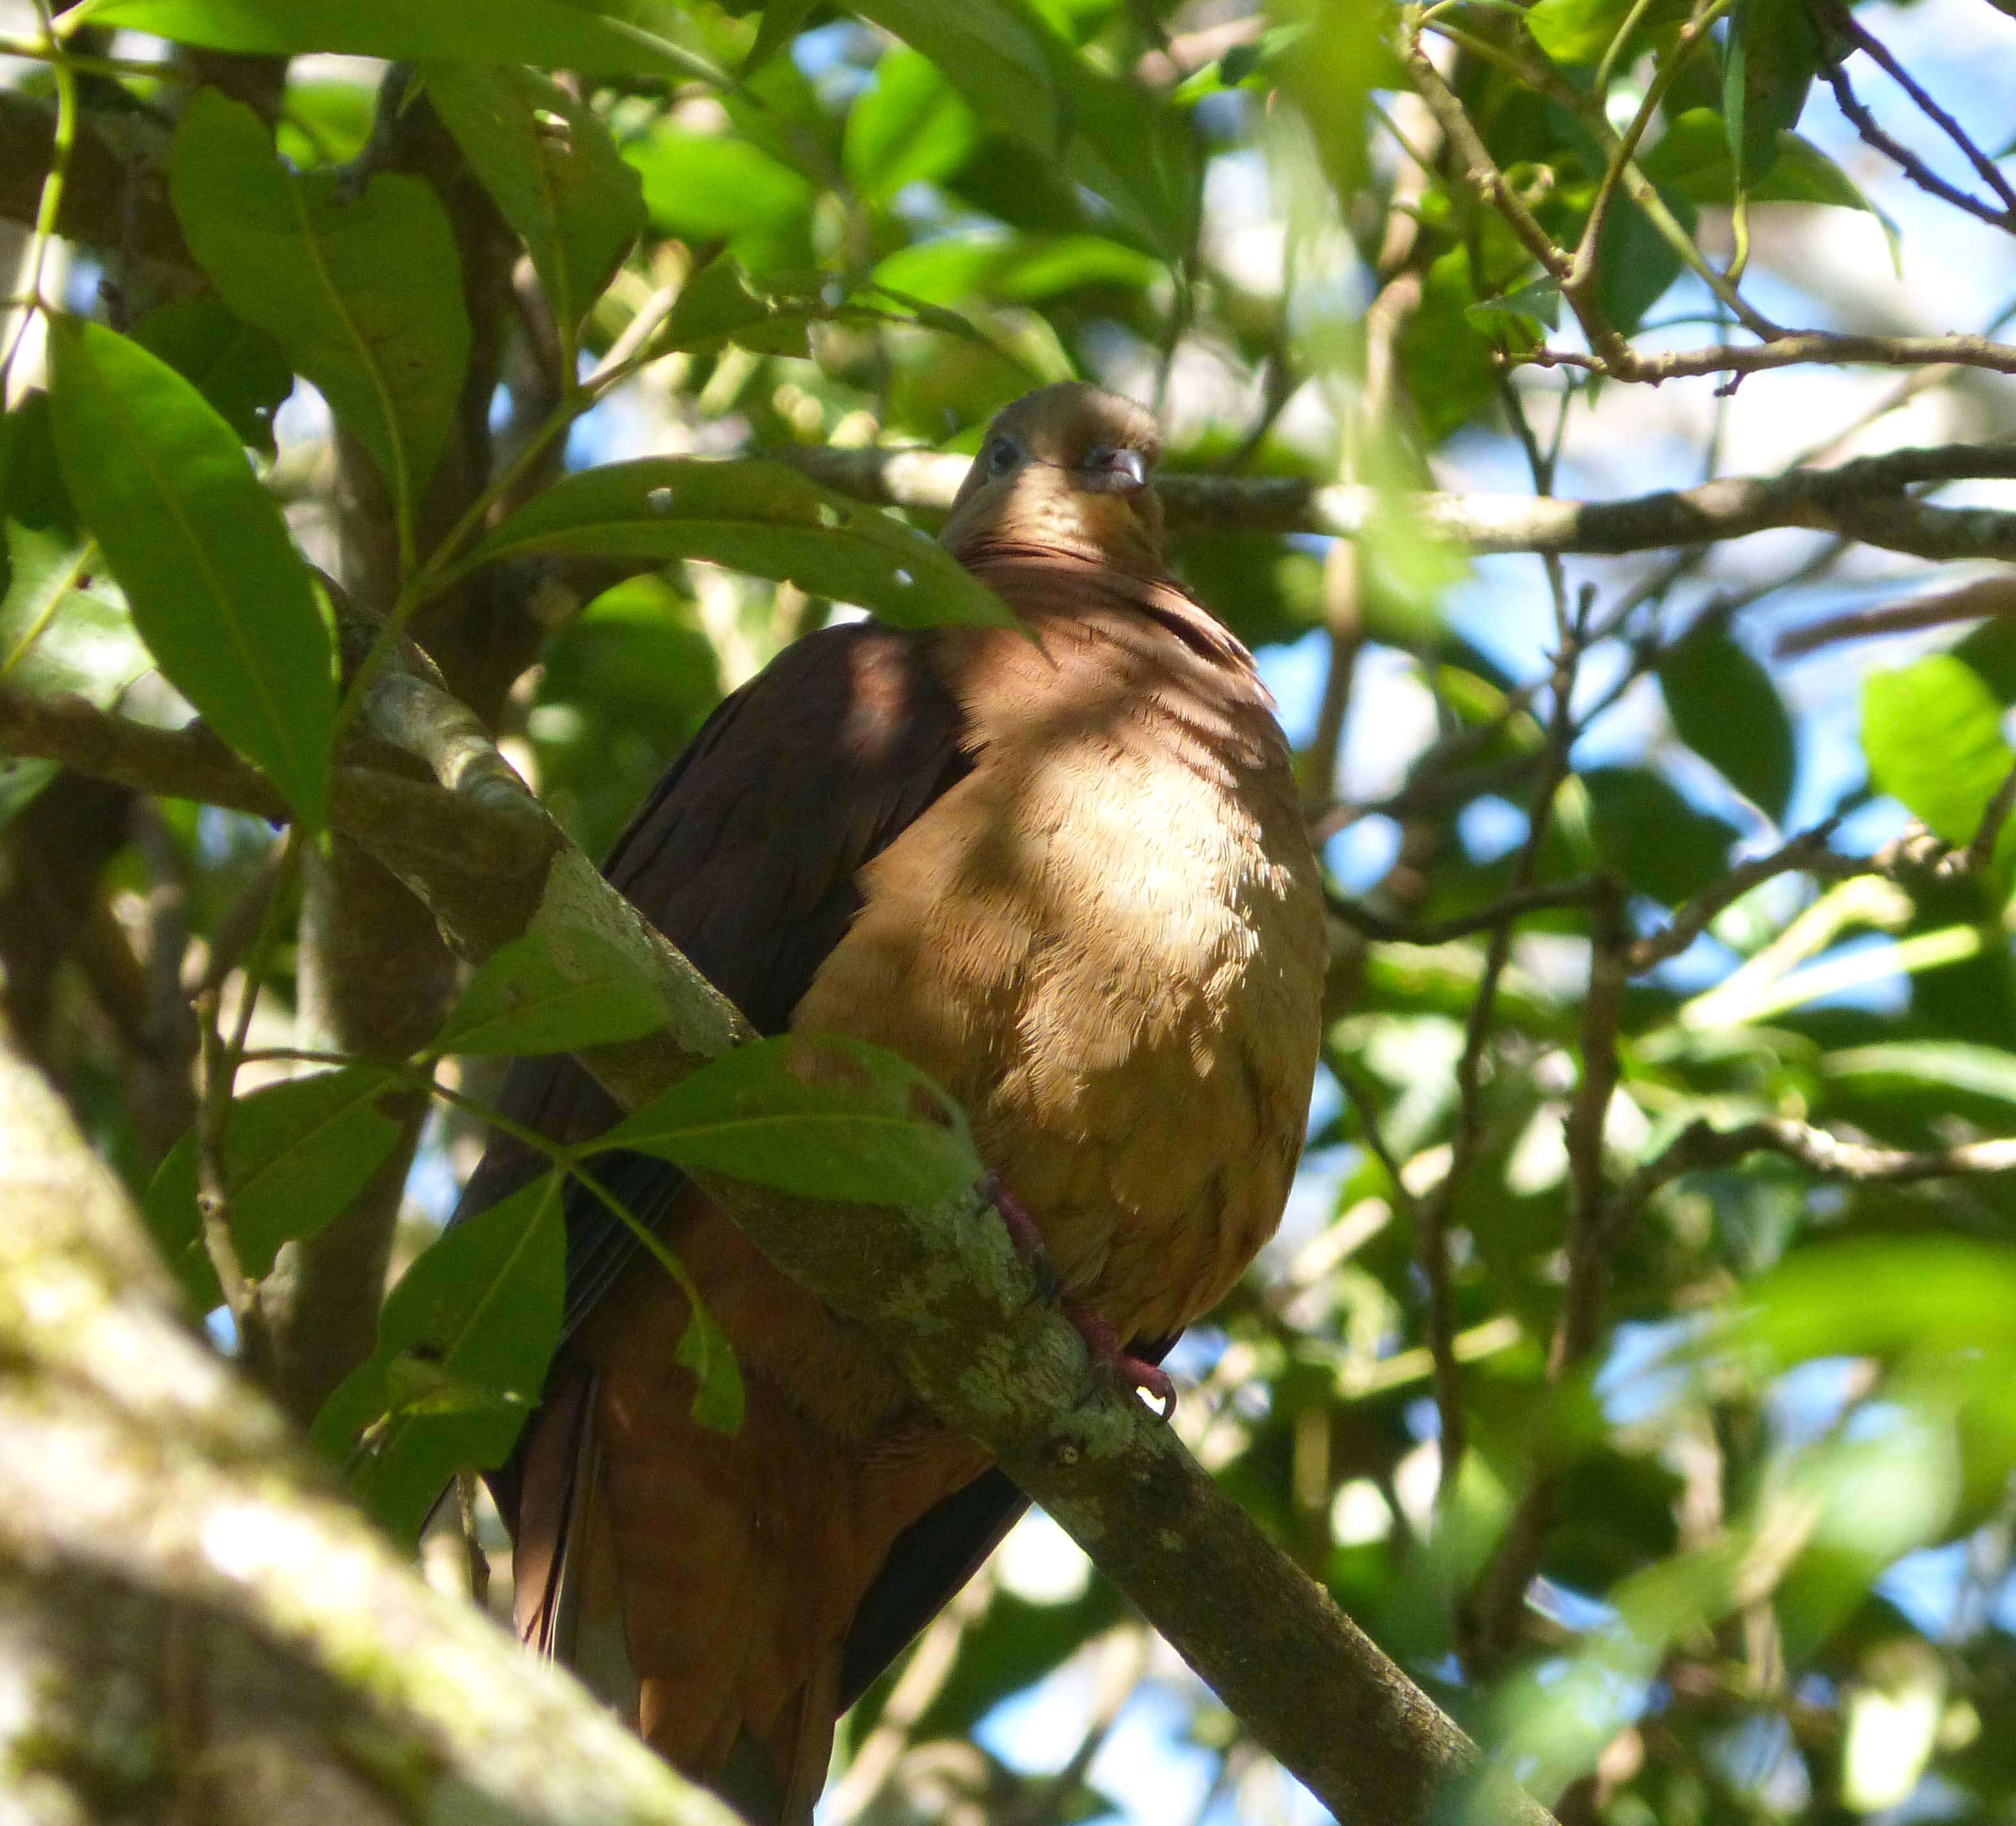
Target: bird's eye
1002, 456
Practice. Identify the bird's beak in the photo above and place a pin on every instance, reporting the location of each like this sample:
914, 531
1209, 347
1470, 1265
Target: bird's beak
1114, 472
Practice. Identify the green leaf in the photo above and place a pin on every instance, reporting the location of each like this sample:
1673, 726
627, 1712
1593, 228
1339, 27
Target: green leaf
1001, 54
1343, 53
1661, 845
1692, 159
1726, 709
1939, 1066
813, 1115
719, 1401
554, 990
712, 187
218, 591
1581, 31
551, 166
599, 38
58, 632
781, 22
1134, 149
1769, 64
909, 127
1932, 732
31, 488
295, 1156
1021, 269
241, 371
1540, 302
756, 516
463, 1344
365, 295
718, 305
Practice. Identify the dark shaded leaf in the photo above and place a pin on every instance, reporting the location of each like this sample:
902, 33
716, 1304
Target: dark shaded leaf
241, 371
549, 165
817, 1115
1771, 55
756, 516
463, 1344
1726, 709
295, 1155
365, 295
1646, 830
217, 590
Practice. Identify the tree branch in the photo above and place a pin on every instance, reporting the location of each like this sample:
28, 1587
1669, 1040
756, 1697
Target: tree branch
1863, 500
960, 1316
170, 1559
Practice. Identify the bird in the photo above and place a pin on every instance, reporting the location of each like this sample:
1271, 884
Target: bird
1062, 867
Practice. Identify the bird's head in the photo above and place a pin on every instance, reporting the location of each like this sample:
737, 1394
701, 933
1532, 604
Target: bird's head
1067, 467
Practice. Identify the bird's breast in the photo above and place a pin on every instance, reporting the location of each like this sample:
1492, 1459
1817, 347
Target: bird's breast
1106, 942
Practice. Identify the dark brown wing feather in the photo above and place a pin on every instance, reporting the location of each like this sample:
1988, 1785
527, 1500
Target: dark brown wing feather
745, 856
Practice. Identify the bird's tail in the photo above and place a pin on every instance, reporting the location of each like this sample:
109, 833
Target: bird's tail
689, 1582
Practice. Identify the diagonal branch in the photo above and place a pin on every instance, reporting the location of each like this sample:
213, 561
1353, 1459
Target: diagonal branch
1322, 1698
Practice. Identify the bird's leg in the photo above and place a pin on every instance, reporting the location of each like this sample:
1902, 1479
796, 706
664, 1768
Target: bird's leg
1024, 1235
1102, 1341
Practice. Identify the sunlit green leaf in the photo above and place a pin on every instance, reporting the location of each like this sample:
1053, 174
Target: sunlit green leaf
61, 630
1933, 735
757, 516
909, 127
554, 990
599, 38
1937, 1067
819, 1116
217, 590
712, 187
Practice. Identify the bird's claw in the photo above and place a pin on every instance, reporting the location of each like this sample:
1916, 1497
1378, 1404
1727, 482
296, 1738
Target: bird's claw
1103, 1342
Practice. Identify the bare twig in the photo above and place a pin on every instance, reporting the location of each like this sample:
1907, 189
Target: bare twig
1980, 850
1808, 850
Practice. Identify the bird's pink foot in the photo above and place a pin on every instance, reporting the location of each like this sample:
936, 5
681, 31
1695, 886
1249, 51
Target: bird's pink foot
1103, 1343
1101, 1340
1024, 1233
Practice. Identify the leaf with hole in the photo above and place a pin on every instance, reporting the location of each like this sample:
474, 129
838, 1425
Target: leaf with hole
752, 516
364, 293
814, 1114
217, 590
463, 1344
554, 171
241, 371
554, 990
1726, 709
295, 1157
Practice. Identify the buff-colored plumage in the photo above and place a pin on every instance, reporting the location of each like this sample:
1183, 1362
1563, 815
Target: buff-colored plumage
1098, 923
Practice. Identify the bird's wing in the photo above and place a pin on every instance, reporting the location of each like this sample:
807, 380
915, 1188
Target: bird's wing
745, 857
